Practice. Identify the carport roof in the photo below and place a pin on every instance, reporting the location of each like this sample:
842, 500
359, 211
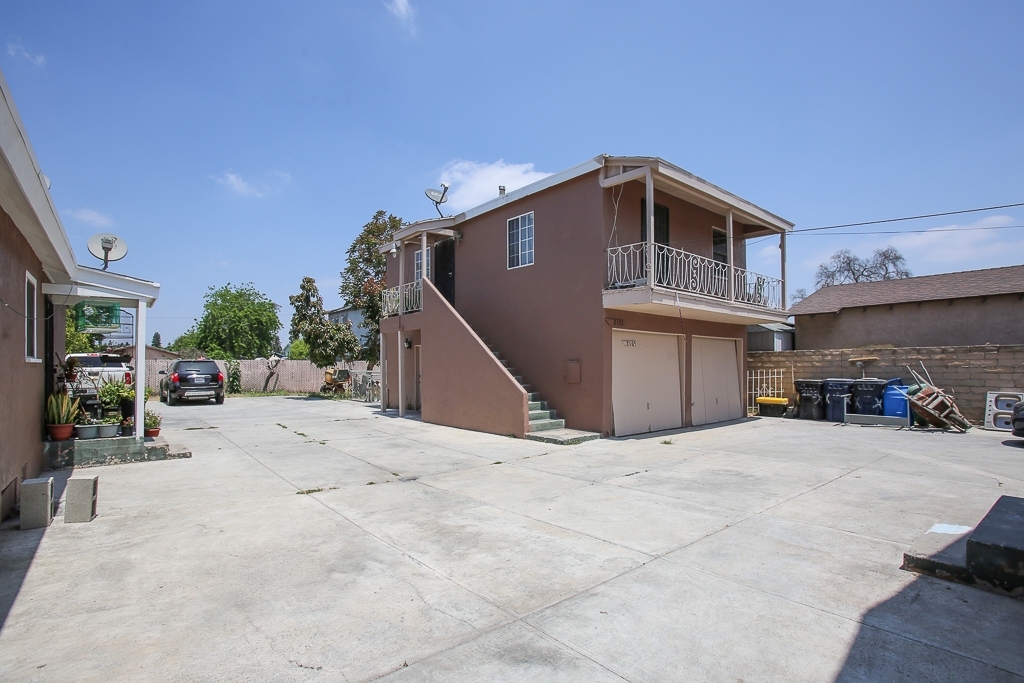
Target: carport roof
959, 285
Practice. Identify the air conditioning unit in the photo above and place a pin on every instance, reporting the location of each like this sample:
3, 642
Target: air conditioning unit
999, 409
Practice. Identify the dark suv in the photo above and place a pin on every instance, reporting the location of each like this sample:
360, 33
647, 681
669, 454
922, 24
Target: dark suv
192, 380
1018, 419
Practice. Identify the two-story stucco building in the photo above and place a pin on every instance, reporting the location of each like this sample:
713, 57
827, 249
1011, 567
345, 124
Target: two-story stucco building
556, 305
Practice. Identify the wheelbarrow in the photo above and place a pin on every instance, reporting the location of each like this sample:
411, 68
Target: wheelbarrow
336, 381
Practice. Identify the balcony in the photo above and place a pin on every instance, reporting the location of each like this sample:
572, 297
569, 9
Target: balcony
405, 299
753, 296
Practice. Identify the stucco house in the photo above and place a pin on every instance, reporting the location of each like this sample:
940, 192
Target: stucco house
39, 277
351, 315
554, 306
973, 307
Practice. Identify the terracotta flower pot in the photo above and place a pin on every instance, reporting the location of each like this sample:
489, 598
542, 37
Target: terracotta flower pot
151, 432
60, 432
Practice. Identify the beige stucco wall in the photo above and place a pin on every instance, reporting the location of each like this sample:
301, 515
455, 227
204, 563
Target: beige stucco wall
954, 322
22, 396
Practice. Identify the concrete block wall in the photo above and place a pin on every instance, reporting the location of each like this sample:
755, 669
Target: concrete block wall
969, 372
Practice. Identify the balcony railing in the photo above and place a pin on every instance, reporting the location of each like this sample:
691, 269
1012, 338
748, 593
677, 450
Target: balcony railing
679, 270
409, 297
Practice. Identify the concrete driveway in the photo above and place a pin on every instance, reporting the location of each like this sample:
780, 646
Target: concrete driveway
311, 540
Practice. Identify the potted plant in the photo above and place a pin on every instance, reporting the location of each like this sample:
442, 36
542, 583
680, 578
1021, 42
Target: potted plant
115, 396
68, 369
108, 426
152, 425
61, 413
85, 427
128, 427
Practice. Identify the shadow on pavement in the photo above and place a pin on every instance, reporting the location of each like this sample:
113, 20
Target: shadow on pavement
935, 630
1014, 443
18, 548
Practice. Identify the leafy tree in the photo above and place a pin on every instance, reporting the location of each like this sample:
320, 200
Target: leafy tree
363, 279
845, 267
185, 340
326, 341
75, 341
298, 350
237, 322
156, 340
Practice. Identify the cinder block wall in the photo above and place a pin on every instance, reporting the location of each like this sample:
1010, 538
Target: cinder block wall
969, 372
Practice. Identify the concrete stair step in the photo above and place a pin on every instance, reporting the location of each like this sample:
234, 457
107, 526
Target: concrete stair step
563, 437
542, 415
534, 396
537, 405
544, 425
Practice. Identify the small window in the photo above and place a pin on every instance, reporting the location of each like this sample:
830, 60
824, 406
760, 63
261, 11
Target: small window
720, 246
520, 241
31, 306
419, 264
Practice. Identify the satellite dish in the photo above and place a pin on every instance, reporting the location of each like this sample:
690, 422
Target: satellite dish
107, 247
439, 197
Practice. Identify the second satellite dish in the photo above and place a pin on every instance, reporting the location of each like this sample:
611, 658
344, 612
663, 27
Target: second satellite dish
439, 197
107, 247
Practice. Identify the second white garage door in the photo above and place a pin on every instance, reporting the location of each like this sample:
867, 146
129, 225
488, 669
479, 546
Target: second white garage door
645, 382
716, 381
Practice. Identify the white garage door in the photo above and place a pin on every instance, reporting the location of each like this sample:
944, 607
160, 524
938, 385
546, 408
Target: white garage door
716, 383
645, 382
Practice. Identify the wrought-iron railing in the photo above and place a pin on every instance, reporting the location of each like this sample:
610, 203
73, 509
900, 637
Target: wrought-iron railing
389, 302
409, 297
677, 269
759, 290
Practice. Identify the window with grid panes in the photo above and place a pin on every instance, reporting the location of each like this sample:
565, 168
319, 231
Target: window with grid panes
520, 241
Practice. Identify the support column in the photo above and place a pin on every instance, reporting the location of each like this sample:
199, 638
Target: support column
649, 181
782, 249
401, 342
383, 373
729, 247
140, 370
423, 256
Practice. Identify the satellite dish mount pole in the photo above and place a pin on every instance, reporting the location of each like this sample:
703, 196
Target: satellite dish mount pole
107, 243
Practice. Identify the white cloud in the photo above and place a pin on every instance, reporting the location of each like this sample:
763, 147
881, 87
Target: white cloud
92, 217
404, 12
234, 182
474, 182
20, 53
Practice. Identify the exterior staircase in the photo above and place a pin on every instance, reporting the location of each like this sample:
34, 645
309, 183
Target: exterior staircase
544, 424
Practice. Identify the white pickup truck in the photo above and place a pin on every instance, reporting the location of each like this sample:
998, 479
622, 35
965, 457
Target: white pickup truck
93, 370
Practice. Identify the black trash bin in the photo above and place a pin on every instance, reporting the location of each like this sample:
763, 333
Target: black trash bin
812, 402
867, 396
837, 395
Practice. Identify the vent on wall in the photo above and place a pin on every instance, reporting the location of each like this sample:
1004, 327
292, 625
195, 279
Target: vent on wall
999, 409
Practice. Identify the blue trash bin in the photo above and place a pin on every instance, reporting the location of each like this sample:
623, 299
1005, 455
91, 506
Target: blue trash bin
838, 398
867, 395
894, 401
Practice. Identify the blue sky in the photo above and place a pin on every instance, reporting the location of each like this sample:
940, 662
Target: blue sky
249, 141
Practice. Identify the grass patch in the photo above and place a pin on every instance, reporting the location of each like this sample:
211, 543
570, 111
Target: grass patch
666, 442
302, 435
496, 462
192, 429
257, 394
318, 489
282, 426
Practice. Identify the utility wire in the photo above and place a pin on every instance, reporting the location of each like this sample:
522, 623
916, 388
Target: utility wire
909, 218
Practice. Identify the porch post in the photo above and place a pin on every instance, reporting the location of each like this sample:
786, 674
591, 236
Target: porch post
401, 344
649, 180
732, 265
383, 374
782, 248
423, 258
140, 369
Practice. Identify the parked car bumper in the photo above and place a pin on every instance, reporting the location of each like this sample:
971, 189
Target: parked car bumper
197, 393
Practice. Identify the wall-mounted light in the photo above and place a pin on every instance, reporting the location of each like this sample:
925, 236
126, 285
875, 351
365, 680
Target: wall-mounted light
458, 236
408, 343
